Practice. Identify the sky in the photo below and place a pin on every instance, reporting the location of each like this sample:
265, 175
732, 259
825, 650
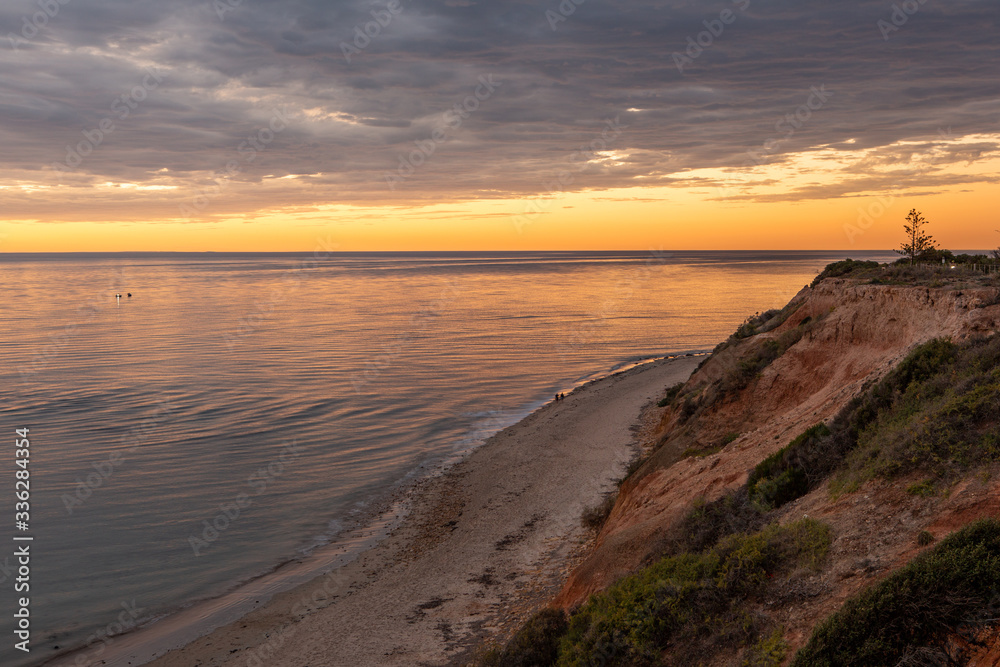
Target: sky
502, 124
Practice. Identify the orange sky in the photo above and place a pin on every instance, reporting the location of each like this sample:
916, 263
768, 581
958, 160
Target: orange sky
486, 126
677, 217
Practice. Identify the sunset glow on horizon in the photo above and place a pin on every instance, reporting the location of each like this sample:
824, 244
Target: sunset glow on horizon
497, 126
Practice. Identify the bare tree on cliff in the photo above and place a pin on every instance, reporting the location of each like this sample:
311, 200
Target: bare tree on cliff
917, 241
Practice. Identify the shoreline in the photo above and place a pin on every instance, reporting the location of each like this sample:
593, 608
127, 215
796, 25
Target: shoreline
420, 550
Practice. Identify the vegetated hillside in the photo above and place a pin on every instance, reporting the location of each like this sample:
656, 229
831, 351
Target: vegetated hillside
819, 457
830, 341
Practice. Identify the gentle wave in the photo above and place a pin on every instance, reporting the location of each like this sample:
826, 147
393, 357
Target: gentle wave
151, 414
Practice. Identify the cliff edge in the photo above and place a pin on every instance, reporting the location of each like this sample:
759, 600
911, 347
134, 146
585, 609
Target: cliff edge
820, 363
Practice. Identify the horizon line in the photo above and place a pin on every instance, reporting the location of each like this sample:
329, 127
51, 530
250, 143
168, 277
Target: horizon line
503, 250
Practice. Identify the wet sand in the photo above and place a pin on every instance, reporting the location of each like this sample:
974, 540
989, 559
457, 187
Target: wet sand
484, 545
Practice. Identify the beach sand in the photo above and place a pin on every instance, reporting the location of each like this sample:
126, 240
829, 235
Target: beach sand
486, 544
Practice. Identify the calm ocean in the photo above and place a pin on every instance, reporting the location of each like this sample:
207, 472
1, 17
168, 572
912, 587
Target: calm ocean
279, 396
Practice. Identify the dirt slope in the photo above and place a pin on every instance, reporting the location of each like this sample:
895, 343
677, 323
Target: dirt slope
851, 334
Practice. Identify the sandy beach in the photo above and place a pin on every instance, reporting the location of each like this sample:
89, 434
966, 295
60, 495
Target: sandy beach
485, 545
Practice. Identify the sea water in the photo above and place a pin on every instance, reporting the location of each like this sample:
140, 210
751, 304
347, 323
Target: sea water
240, 410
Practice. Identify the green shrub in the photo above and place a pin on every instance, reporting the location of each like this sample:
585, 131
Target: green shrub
688, 408
594, 517
757, 359
924, 538
709, 522
783, 477
924, 489
950, 589
487, 656
536, 644
769, 651
937, 412
670, 395
688, 599
844, 268
929, 272
755, 324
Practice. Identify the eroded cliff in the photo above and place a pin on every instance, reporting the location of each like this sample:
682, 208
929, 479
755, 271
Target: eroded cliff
755, 394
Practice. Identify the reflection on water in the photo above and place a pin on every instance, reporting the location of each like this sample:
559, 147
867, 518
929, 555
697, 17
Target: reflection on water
240, 409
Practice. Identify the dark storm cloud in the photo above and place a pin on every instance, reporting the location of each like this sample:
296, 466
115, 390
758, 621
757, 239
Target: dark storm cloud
358, 105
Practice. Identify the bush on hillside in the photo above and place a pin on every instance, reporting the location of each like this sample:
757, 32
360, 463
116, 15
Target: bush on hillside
937, 412
846, 267
536, 644
785, 475
950, 590
709, 522
691, 602
670, 395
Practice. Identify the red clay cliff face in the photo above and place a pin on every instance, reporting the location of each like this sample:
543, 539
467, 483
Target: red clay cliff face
854, 335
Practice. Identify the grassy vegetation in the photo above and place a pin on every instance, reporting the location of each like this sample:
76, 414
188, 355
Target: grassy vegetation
671, 394
766, 321
535, 644
782, 477
847, 267
709, 522
759, 323
951, 589
710, 449
924, 489
769, 651
696, 598
938, 413
690, 601
968, 271
757, 359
